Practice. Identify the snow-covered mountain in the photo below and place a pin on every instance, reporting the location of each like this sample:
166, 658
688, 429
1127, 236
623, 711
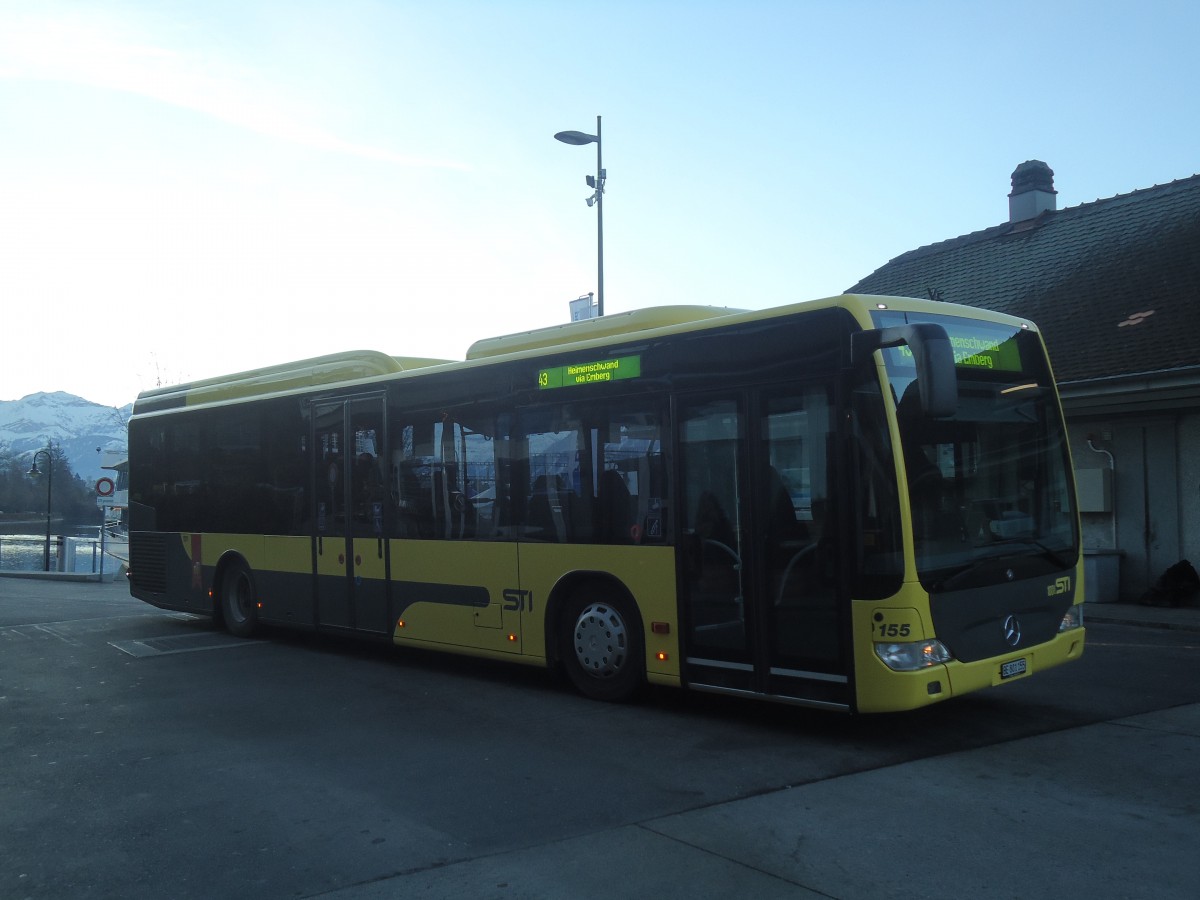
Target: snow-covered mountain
79, 425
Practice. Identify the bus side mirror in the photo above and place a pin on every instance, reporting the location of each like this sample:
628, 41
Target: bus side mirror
934, 358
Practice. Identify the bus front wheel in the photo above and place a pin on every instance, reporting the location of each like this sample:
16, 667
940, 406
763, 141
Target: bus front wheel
238, 601
600, 646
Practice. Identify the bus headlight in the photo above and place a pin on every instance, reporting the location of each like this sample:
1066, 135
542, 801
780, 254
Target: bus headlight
912, 656
1073, 619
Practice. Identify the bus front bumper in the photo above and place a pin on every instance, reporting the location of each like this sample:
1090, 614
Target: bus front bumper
879, 689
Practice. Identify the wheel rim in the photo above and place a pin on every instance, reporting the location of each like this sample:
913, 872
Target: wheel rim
601, 640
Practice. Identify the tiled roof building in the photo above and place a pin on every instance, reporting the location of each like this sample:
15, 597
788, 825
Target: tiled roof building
1114, 286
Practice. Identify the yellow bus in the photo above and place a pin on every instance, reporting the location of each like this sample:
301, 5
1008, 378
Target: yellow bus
858, 503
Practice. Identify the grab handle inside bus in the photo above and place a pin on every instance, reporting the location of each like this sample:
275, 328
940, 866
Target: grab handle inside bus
934, 358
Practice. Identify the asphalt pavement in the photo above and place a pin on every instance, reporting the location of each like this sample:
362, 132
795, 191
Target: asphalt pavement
1110, 809
1038, 817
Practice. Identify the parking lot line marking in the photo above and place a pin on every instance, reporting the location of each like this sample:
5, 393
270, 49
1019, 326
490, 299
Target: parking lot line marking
180, 643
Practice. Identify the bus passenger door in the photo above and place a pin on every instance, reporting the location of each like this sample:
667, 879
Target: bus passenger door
759, 558
715, 542
804, 623
349, 547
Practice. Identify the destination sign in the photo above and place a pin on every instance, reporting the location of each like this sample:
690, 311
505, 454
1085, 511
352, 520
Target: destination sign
976, 352
590, 372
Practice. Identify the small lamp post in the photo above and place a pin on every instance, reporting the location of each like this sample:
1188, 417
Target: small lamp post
33, 471
579, 138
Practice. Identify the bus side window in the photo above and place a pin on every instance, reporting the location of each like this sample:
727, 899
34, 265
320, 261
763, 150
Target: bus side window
481, 485
631, 484
412, 480
618, 510
445, 477
548, 513
555, 509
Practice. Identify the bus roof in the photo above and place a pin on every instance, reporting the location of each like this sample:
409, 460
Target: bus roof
623, 324
360, 365
334, 368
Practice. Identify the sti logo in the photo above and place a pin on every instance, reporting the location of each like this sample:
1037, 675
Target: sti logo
1060, 586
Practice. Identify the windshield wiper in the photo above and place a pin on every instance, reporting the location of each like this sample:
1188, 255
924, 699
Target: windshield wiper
948, 583
1055, 556
1006, 552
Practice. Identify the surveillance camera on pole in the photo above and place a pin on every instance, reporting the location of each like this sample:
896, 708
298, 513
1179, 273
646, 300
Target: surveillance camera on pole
596, 182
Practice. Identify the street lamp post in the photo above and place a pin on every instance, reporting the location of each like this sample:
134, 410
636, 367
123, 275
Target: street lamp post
33, 470
579, 138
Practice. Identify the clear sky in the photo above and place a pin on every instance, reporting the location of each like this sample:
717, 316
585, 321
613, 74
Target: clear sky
194, 188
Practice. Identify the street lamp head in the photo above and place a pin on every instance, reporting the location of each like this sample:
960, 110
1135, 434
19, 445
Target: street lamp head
578, 138
33, 469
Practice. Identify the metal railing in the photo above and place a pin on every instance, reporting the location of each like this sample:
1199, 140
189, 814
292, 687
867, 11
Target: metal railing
78, 555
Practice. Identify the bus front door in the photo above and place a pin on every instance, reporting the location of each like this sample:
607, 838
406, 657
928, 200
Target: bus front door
758, 551
350, 546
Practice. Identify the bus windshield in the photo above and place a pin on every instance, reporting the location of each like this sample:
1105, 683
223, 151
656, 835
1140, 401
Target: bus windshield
989, 487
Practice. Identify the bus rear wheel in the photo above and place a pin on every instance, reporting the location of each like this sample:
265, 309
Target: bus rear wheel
600, 646
238, 601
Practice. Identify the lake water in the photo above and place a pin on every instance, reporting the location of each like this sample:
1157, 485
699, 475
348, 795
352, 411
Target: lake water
26, 553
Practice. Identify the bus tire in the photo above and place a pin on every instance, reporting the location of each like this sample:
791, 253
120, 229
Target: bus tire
600, 645
239, 607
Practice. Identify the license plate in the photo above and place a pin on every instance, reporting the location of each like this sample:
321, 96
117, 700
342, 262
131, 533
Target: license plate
1013, 669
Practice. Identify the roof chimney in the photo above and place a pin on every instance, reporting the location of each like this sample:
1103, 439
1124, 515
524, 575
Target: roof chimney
1032, 191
